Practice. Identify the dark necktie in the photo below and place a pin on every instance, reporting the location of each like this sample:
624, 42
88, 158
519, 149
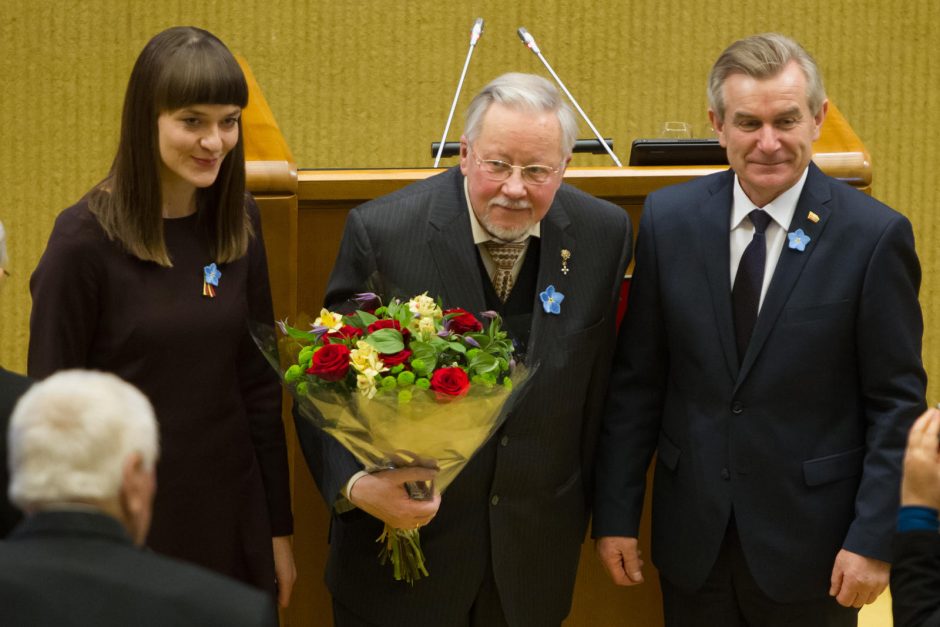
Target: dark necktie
505, 257
745, 295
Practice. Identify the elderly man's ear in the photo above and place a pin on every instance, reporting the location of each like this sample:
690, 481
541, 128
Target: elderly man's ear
138, 487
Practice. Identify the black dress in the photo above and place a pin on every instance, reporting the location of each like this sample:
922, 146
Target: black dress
222, 478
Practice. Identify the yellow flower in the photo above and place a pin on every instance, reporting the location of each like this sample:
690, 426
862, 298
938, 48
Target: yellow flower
366, 385
366, 360
425, 307
328, 319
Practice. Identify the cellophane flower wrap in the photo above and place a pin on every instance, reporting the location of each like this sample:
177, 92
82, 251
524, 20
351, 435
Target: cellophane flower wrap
408, 383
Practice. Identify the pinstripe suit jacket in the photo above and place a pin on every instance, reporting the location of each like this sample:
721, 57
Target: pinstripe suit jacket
522, 502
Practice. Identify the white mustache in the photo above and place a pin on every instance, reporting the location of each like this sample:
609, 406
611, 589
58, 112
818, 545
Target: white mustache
510, 204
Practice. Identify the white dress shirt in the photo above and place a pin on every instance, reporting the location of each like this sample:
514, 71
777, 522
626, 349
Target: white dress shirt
780, 209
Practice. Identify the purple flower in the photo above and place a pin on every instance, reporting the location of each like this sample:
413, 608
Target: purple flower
367, 300
489, 314
319, 331
472, 342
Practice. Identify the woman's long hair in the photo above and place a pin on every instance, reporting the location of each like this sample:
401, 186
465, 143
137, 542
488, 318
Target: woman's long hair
181, 66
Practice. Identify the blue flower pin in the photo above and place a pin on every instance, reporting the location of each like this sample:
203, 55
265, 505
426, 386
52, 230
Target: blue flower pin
798, 240
551, 300
213, 274
210, 280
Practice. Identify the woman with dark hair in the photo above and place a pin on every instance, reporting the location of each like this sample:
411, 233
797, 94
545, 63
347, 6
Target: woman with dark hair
154, 275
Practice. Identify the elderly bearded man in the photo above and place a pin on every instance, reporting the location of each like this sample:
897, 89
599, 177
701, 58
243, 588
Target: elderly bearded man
502, 543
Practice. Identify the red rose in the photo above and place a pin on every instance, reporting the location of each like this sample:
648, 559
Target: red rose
389, 324
463, 321
449, 382
396, 358
345, 332
330, 363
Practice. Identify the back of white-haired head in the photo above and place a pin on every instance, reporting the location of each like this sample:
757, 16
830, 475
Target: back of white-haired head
71, 434
523, 92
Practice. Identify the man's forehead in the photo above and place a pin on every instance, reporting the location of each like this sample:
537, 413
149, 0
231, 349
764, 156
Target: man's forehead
520, 131
782, 91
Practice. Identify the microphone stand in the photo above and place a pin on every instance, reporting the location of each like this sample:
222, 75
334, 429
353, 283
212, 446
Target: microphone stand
474, 37
529, 42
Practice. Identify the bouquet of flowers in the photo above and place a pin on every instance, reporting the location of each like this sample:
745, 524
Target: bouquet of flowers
402, 384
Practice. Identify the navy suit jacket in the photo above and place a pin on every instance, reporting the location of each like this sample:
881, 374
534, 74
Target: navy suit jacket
803, 439
522, 502
77, 569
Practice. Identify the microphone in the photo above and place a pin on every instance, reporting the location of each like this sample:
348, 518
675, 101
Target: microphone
529, 42
475, 34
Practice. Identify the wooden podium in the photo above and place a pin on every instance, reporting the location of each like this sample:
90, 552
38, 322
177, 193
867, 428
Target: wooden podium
303, 213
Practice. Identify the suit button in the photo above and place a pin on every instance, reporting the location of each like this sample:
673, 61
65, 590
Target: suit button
495, 500
737, 408
505, 440
725, 474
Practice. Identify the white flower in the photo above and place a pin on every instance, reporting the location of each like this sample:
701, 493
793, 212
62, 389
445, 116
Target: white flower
366, 385
423, 306
366, 360
426, 328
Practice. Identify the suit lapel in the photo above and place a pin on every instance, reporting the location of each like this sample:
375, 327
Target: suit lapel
814, 197
713, 225
450, 239
555, 235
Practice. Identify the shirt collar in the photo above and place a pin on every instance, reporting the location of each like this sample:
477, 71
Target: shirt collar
480, 234
781, 208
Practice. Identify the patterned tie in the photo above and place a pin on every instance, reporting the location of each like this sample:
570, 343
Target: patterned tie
745, 295
505, 257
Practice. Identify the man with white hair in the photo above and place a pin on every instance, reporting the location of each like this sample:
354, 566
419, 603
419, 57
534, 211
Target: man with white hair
501, 232
12, 386
83, 449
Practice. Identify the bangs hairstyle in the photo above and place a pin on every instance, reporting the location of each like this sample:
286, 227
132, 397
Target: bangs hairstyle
180, 67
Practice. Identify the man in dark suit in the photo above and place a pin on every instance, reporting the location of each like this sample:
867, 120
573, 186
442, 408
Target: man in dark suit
12, 387
83, 446
771, 359
915, 570
503, 547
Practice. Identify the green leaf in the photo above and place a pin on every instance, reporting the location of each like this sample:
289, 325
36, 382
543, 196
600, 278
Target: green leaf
457, 347
484, 363
423, 351
297, 334
386, 341
366, 317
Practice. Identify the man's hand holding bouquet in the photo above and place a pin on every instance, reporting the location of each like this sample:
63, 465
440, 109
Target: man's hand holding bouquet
412, 390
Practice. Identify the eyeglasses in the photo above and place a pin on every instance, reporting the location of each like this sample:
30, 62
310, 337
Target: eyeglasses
497, 170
